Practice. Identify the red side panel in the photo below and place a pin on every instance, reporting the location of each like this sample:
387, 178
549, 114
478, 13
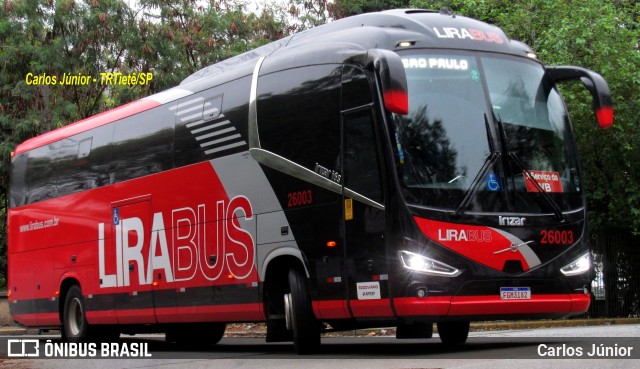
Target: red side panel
371, 308
175, 230
331, 309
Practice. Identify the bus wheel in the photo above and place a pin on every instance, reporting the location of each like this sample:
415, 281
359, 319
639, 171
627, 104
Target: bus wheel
453, 333
75, 327
299, 315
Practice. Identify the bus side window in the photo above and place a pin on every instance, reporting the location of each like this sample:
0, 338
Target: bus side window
143, 144
40, 184
356, 90
299, 115
18, 175
361, 171
82, 161
211, 123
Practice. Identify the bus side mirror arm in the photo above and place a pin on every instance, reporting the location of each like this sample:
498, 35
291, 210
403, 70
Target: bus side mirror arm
594, 83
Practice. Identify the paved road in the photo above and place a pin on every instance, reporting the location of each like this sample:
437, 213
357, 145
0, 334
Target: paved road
502, 349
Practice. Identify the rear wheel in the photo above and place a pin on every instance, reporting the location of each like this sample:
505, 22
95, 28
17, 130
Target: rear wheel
74, 321
453, 333
299, 315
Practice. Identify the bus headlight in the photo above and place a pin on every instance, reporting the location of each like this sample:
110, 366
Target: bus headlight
423, 264
578, 266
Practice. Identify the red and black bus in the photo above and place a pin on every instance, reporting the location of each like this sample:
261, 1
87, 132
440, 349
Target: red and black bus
400, 168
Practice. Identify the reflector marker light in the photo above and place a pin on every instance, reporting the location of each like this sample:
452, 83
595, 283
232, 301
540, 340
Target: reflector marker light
605, 116
380, 277
396, 102
334, 279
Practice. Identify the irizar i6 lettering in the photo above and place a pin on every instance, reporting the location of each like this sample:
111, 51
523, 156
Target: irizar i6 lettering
401, 168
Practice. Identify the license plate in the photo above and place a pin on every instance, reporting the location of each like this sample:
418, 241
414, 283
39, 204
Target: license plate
515, 293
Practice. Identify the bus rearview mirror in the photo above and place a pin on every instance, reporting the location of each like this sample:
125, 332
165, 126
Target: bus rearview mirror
393, 79
595, 84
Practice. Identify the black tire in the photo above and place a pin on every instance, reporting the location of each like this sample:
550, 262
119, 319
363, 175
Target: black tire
75, 327
205, 334
453, 333
306, 330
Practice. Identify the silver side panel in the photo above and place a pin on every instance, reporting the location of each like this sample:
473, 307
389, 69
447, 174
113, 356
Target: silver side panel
242, 176
254, 140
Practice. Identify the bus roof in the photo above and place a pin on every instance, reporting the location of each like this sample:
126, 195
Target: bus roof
385, 30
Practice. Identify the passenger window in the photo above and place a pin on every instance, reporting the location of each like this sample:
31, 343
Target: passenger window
40, 184
18, 176
299, 115
361, 169
143, 144
83, 161
355, 88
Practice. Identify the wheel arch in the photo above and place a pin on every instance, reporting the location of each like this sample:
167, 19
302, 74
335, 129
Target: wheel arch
65, 285
283, 256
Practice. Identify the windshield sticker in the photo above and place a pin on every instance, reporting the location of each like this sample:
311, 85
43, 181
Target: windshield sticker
475, 75
548, 181
436, 63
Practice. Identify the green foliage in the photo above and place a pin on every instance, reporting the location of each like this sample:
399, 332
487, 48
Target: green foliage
169, 38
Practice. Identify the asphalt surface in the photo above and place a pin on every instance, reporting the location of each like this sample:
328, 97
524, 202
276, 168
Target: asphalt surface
513, 349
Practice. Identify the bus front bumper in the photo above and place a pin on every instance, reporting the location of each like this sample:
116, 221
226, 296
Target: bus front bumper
489, 307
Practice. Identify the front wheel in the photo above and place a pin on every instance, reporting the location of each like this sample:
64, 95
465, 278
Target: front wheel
299, 315
453, 333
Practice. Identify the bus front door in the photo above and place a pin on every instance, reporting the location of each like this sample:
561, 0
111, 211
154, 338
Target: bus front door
364, 217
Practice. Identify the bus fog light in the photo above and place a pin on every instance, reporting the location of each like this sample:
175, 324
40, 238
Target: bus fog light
578, 266
423, 264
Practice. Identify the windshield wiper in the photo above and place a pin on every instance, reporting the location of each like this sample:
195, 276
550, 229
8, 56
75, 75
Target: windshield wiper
514, 158
488, 163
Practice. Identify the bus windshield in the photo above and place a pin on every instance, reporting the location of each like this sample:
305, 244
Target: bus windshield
488, 124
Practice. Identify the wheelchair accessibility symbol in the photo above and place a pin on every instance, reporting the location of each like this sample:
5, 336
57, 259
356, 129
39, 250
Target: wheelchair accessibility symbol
492, 182
116, 216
